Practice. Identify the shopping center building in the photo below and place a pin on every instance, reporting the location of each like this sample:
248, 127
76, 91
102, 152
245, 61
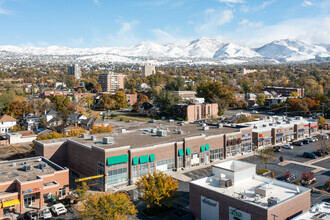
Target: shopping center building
30, 183
234, 191
125, 155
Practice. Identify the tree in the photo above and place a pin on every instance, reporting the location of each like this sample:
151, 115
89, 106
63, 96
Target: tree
101, 129
261, 98
88, 100
141, 98
265, 155
321, 120
106, 206
158, 189
119, 100
106, 102
78, 131
17, 108
294, 94
165, 100
81, 191
98, 88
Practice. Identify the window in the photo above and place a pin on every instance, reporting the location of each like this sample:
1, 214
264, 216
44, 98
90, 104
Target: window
99, 164
165, 165
143, 169
152, 167
180, 161
216, 154
135, 169
100, 172
61, 193
117, 176
246, 147
209, 111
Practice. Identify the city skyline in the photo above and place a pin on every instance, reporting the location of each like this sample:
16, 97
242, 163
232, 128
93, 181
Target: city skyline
99, 23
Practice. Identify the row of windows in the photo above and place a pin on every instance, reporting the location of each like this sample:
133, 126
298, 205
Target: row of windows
117, 165
117, 176
216, 154
165, 165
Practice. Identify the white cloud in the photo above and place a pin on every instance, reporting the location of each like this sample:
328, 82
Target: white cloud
162, 36
5, 12
246, 22
232, 1
263, 5
315, 30
96, 1
226, 17
306, 3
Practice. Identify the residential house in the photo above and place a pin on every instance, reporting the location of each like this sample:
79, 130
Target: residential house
6, 123
76, 118
21, 137
90, 122
131, 99
30, 121
148, 109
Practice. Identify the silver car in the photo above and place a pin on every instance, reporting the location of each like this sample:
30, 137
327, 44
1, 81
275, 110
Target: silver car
287, 146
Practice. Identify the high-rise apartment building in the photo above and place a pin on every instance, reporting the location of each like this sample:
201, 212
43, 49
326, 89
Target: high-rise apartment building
111, 82
75, 71
148, 70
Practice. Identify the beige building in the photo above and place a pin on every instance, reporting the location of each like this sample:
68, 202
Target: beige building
111, 82
148, 70
75, 71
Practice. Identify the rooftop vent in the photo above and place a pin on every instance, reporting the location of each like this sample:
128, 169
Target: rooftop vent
272, 201
154, 130
14, 164
180, 131
219, 125
39, 159
278, 122
264, 125
84, 135
255, 126
320, 216
43, 165
203, 125
27, 167
161, 133
93, 138
108, 140
206, 128
233, 125
226, 182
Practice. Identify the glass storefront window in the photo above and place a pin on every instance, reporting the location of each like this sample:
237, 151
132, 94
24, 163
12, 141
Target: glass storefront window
143, 169
117, 176
135, 169
180, 162
216, 154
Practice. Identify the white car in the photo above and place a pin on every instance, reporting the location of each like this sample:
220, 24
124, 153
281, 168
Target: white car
45, 214
254, 112
287, 146
59, 209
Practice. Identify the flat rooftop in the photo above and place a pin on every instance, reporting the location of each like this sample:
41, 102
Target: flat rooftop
318, 210
234, 165
142, 136
245, 190
10, 170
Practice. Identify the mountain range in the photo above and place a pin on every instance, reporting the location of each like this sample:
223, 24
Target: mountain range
199, 51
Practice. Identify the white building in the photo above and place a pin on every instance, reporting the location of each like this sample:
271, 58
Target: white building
6, 123
148, 70
75, 71
319, 211
235, 191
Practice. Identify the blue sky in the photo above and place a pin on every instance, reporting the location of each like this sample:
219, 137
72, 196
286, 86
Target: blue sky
98, 23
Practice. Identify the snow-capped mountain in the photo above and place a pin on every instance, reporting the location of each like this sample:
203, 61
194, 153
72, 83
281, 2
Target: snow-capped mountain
199, 51
292, 50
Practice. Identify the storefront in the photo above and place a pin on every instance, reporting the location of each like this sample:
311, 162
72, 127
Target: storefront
301, 133
314, 129
279, 138
233, 147
306, 130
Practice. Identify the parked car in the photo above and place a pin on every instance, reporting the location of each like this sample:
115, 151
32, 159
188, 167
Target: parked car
270, 113
45, 214
310, 139
291, 177
309, 155
287, 146
254, 112
315, 139
31, 215
305, 141
298, 143
309, 182
324, 152
318, 153
277, 149
59, 209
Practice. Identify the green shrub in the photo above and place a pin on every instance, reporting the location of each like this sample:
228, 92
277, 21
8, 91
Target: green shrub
261, 171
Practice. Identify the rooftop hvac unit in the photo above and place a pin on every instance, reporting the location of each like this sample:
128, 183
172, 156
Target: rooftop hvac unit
219, 125
203, 125
233, 125
14, 164
27, 167
270, 124
257, 198
225, 182
161, 133
264, 125
108, 140
24, 163
288, 122
272, 201
84, 135
321, 216
206, 128
154, 130
93, 138
278, 122
255, 126
43, 165
180, 131
39, 159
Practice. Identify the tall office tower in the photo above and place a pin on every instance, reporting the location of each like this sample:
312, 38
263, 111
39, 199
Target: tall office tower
148, 70
75, 71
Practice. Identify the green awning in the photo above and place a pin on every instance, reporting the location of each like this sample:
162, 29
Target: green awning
144, 159
135, 160
202, 148
152, 157
207, 147
117, 159
180, 152
188, 151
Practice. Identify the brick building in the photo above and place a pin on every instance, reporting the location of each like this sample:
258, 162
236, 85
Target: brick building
148, 70
234, 191
285, 91
111, 82
123, 157
194, 112
131, 99
31, 182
